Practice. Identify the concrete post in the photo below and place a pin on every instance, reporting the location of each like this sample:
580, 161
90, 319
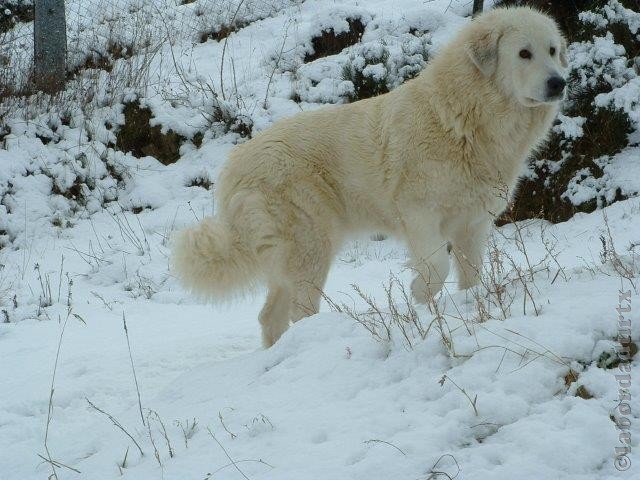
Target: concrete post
50, 45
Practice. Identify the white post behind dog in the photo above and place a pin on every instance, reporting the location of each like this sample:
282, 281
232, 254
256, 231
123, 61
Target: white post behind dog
427, 162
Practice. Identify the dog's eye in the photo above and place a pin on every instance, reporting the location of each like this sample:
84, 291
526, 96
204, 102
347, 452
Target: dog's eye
524, 53
552, 51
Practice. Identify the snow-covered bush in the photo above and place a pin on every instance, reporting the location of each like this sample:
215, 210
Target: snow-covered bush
217, 19
601, 115
14, 11
14, 15
383, 60
366, 72
332, 40
372, 69
41, 184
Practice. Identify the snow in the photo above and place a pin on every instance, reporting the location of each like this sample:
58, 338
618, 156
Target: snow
620, 176
613, 12
474, 388
325, 399
625, 98
571, 127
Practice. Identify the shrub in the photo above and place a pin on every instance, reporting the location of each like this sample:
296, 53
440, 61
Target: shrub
137, 136
14, 11
568, 174
367, 72
328, 42
372, 69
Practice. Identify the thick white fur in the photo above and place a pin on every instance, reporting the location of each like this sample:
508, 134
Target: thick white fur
428, 162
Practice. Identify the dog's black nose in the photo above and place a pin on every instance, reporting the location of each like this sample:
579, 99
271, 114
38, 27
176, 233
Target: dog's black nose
555, 86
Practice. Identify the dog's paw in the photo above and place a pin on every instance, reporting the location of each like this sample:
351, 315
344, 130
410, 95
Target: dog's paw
424, 292
418, 290
467, 296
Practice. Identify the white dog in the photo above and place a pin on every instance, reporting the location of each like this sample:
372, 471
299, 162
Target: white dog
427, 162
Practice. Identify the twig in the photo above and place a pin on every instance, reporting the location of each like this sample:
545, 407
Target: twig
275, 66
163, 431
209, 475
436, 473
375, 440
116, 423
464, 392
49, 458
124, 461
233, 462
58, 464
156, 453
224, 48
187, 432
60, 277
231, 434
133, 368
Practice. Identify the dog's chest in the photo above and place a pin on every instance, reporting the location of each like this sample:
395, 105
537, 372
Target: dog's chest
511, 146
476, 170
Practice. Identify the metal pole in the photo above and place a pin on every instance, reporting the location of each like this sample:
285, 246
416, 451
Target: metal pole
49, 45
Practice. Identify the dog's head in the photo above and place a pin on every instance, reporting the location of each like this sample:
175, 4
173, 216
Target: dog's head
523, 51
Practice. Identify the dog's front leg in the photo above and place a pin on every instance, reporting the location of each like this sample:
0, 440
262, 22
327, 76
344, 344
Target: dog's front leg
429, 260
468, 246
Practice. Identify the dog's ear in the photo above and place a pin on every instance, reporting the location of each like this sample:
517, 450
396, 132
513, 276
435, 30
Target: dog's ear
563, 53
482, 48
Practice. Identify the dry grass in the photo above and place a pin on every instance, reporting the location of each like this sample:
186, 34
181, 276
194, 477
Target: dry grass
625, 266
399, 317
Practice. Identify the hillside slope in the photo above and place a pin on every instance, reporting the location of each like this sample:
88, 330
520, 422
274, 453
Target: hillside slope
109, 369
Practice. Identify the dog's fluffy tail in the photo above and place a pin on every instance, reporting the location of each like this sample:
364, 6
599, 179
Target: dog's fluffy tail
213, 261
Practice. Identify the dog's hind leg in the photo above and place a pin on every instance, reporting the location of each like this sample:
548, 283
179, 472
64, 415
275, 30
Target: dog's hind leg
299, 269
308, 260
308, 273
274, 316
308, 286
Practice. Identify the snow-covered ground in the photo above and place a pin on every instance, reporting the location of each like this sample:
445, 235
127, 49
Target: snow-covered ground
329, 400
506, 382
